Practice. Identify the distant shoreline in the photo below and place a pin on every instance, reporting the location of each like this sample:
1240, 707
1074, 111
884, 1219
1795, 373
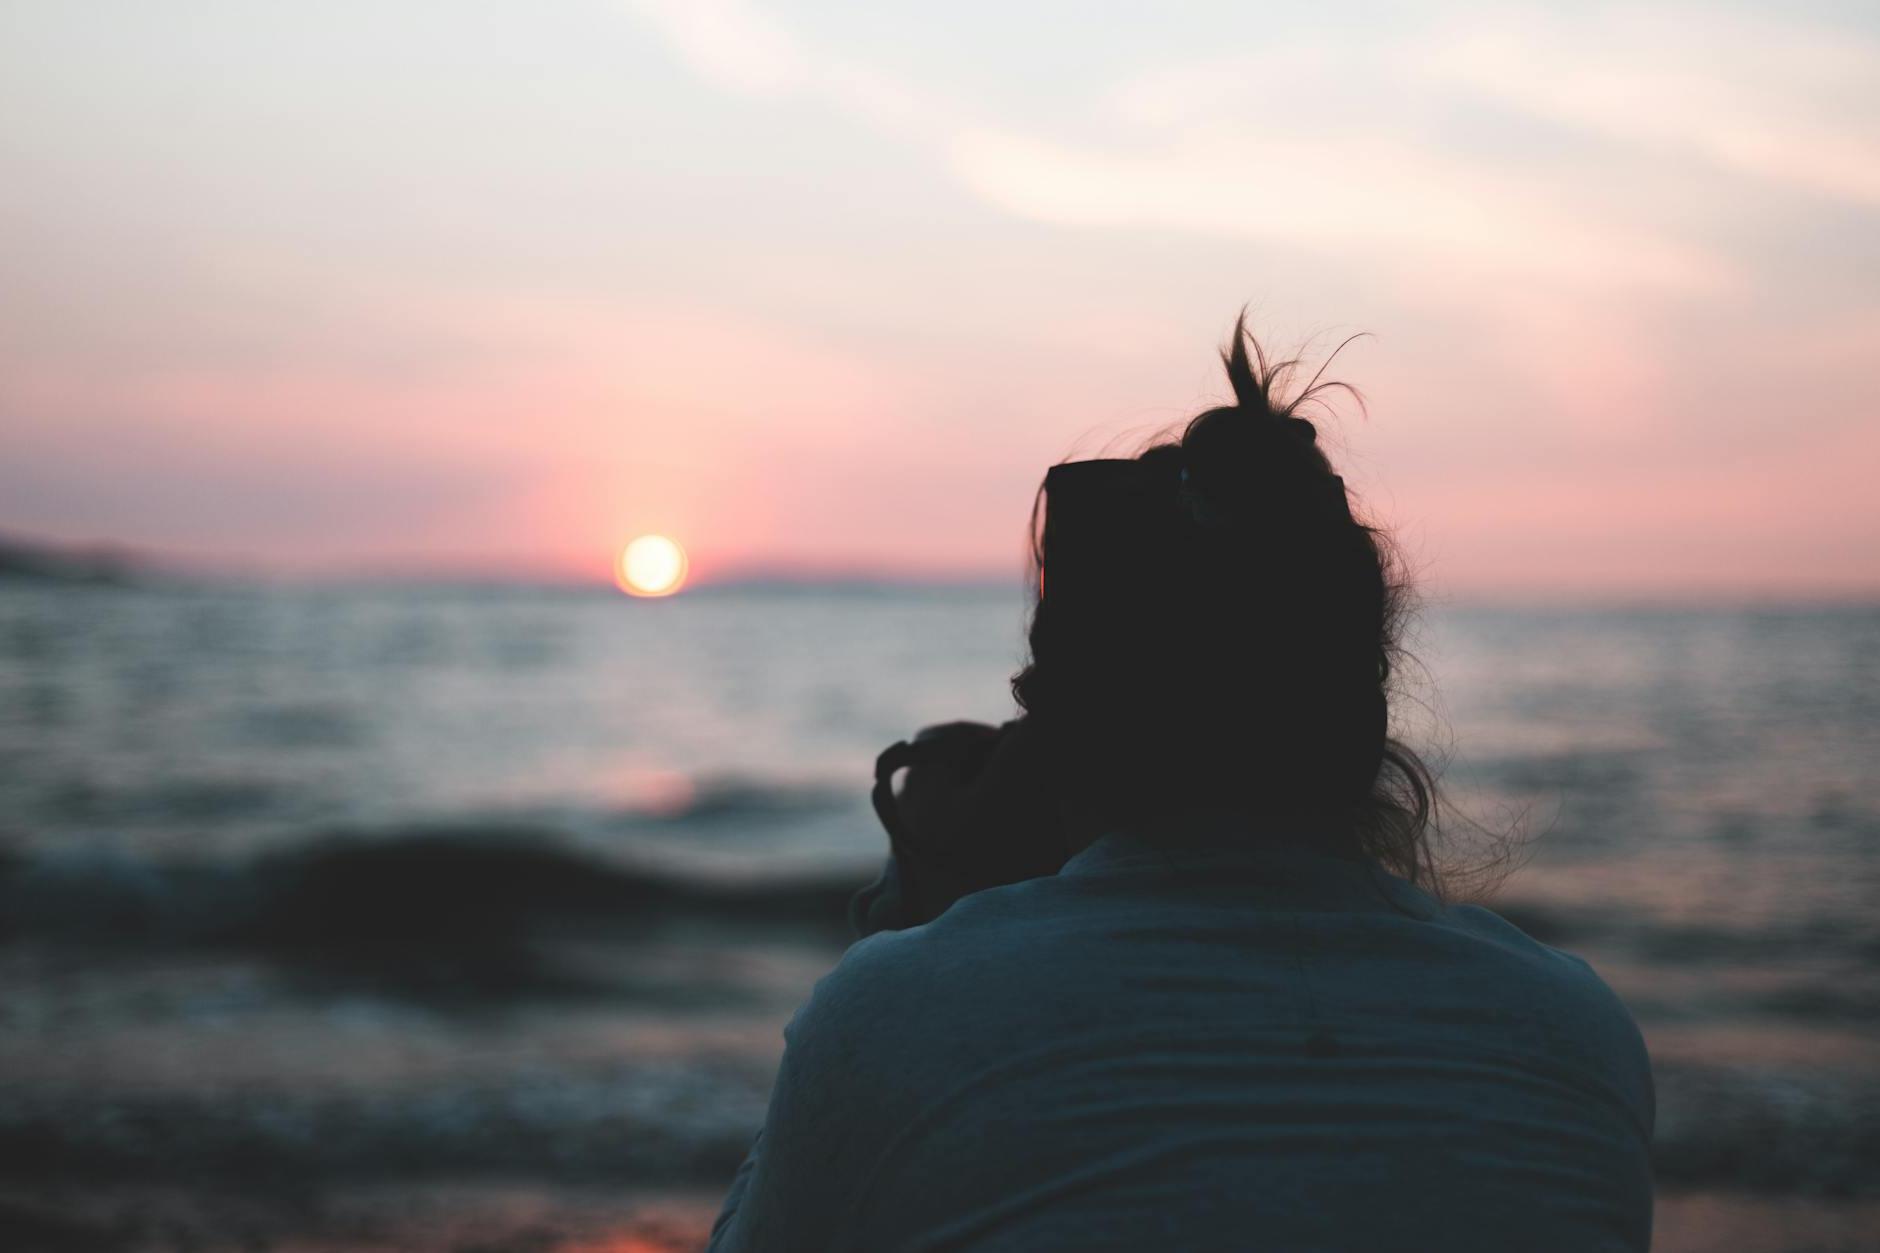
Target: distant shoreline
31, 561
49, 563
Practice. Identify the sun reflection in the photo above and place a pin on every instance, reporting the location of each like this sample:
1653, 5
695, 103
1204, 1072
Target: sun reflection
651, 565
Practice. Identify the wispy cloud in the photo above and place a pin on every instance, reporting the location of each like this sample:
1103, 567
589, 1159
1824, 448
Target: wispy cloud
730, 43
1775, 101
1342, 142
1417, 207
737, 46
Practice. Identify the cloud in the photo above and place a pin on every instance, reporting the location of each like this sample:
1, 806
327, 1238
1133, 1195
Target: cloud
1336, 140
1415, 206
1778, 102
729, 43
736, 46
1350, 140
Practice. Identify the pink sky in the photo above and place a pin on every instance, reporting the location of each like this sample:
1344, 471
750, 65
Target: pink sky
492, 289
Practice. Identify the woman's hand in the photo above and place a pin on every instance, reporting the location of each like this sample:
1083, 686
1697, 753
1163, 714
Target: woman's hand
975, 813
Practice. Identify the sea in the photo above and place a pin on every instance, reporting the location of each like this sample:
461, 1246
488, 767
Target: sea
399, 916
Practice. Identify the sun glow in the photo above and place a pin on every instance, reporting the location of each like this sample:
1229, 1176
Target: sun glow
651, 565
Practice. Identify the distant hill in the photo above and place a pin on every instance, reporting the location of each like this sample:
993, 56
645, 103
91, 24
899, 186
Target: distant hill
26, 559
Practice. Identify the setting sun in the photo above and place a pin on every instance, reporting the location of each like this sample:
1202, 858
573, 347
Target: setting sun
651, 565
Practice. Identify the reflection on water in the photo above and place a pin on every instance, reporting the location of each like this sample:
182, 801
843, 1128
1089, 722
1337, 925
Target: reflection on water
324, 903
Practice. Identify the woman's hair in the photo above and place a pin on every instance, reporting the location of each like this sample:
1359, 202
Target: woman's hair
1239, 649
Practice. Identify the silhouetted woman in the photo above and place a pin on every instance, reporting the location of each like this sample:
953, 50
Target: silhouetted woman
1164, 964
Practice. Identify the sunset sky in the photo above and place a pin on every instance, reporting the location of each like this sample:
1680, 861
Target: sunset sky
487, 288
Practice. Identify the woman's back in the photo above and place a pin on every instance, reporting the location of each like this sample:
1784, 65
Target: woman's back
1256, 1046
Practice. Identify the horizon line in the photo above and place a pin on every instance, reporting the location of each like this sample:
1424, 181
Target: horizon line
33, 560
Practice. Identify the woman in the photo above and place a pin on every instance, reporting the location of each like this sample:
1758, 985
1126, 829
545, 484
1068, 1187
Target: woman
1166, 963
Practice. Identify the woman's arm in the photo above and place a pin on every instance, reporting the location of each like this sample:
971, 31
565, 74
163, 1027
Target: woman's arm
975, 812
977, 815
734, 1200
882, 905
782, 1196
823, 1128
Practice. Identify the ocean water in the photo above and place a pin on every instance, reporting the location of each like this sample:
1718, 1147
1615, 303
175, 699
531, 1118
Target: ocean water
405, 917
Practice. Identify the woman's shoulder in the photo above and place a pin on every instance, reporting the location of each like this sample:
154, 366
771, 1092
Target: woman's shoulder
1551, 967
1582, 1012
976, 960
1003, 963
1063, 921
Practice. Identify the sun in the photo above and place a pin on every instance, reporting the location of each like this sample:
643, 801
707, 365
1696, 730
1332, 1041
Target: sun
651, 565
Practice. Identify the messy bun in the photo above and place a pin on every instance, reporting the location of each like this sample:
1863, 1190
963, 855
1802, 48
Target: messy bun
1250, 664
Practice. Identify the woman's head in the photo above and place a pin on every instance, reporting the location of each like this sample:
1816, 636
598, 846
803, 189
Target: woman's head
1218, 629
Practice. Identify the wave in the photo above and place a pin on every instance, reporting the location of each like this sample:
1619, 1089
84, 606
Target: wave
1683, 943
1727, 1129
646, 1125
476, 891
1814, 1132
480, 901
75, 805
736, 798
